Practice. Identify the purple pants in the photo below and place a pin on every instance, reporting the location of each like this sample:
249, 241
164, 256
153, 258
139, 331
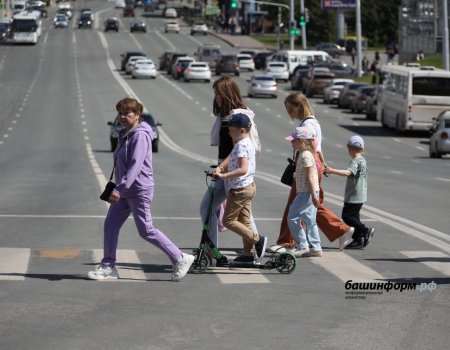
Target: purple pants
140, 207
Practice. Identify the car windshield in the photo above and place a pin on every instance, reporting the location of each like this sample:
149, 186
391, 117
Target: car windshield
85, 16
4, 26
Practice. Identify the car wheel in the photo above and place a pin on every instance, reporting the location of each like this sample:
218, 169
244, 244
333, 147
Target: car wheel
133, 77
217, 73
438, 154
383, 122
430, 152
236, 74
155, 146
205, 33
250, 95
207, 81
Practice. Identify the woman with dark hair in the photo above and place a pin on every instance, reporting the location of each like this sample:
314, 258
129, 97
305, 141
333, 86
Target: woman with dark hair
330, 224
227, 101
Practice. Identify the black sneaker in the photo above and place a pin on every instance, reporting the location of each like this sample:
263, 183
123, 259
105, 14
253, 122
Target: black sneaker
368, 236
244, 259
356, 244
260, 248
222, 262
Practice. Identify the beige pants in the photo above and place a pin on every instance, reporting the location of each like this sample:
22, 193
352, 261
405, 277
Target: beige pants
237, 215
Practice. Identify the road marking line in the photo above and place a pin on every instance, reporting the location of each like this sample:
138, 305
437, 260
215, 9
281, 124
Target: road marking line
14, 263
346, 268
124, 257
441, 179
396, 172
428, 258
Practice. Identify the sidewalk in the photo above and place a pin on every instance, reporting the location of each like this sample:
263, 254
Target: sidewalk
240, 41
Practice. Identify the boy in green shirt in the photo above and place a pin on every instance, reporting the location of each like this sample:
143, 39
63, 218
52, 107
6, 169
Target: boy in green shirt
355, 192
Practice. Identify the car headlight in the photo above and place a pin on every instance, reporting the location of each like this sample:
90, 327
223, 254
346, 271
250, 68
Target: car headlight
88, 22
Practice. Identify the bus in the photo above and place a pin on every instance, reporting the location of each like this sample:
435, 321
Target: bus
411, 96
26, 27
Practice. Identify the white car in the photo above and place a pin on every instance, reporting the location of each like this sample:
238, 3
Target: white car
170, 13
332, 91
246, 62
144, 68
120, 4
262, 84
59, 17
131, 61
200, 28
172, 26
440, 135
279, 70
197, 71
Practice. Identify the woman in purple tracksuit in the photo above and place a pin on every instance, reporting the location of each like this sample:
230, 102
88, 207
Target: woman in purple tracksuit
134, 194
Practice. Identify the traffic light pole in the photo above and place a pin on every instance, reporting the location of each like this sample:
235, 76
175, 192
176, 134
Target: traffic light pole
302, 12
291, 15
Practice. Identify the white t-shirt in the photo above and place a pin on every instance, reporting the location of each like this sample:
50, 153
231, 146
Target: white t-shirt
314, 124
242, 149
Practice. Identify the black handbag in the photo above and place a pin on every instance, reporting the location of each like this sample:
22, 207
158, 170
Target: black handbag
288, 176
110, 186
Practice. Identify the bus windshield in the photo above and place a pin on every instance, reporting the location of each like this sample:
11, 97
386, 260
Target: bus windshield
431, 86
24, 26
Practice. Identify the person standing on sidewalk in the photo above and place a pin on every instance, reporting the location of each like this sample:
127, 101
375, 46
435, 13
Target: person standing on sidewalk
355, 192
329, 223
134, 194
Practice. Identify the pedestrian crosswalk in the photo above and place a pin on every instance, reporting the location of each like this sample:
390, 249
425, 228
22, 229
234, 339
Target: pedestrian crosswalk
19, 264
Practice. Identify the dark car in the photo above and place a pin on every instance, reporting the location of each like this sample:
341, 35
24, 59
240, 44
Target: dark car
112, 23
180, 66
125, 56
138, 26
359, 101
85, 20
260, 59
5, 30
334, 50
116, 127
371, 104
347, 93
164, 60
173, 58
128, 10
298, 77
317, 81
227, 64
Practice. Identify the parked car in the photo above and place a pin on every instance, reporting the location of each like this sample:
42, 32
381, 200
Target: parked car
371, 104
164, 60
298, 77
170, 13
200, 28
260, 59
144, 68
130, 63
262, 84
439, 135
125, 56
246, 62
85, 20
278, 70
332, 91
334, 50
197, 71
173, 58
111, 23
347, 93
360, 99
172, 26
128, 11
179, 66
227, 64
138, 26
116, 127
316, 80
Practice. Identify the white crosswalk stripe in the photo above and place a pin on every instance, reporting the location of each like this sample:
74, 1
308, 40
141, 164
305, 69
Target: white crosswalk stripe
15, 263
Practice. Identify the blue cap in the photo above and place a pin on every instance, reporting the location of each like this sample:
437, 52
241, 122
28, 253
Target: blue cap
239, 120
356, 141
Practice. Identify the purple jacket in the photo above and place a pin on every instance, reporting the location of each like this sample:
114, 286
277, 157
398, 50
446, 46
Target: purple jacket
134, 171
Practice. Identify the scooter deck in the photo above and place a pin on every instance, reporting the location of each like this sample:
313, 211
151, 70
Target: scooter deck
252, 264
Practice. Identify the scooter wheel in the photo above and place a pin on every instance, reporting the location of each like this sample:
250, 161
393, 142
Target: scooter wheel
202, 265
285, 263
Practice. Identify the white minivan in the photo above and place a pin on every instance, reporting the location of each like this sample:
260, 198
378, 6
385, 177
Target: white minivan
293, 58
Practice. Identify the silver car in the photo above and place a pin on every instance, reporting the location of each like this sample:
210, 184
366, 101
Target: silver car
263, 85
439, 135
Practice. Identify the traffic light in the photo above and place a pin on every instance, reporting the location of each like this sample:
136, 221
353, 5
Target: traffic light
306, 15
293, 29
234, 4
302, 20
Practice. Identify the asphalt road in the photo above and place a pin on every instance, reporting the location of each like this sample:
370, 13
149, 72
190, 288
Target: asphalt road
56, 100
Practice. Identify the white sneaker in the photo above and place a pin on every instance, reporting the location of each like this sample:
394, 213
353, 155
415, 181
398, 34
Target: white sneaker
103, 272
274, 248
301, 252
346, 238
181, 268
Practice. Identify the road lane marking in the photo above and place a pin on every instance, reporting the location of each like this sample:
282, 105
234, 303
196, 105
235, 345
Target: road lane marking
346, 268
125, 258
441, 179
14, 263
435, 260
395, 172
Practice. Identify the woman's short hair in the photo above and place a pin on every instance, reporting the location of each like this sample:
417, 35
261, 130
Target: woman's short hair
227, 88
129, 104
298, 99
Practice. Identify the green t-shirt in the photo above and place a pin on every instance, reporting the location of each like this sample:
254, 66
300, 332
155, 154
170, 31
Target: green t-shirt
356, 185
